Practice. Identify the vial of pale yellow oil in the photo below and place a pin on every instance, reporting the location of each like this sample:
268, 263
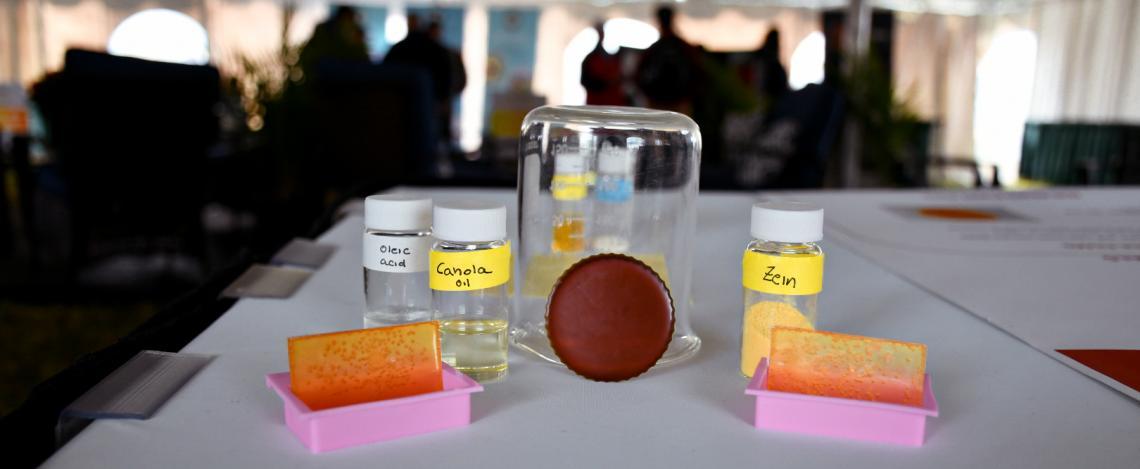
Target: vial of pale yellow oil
469, 273
782, 276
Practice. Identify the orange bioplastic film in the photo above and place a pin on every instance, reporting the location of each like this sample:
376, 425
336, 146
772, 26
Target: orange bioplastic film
351, 367
847, 366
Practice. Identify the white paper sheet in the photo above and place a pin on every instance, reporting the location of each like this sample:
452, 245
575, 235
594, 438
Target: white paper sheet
1058, 269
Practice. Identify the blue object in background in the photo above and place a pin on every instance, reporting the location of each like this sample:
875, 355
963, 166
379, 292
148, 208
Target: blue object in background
512, 34
375, 20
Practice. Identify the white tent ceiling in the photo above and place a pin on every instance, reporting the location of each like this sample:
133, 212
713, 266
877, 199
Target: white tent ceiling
948, 7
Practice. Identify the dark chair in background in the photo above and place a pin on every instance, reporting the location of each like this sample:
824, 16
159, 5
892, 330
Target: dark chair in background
130, 139
1081, 153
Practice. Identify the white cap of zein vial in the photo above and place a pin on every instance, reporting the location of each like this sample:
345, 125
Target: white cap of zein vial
397, 212
787, 222
469, 221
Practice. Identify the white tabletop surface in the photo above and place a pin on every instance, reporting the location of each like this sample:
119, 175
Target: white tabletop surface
1048, 270
1003, 404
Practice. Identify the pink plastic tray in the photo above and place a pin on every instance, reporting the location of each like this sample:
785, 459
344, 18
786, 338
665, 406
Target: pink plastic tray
843, 418
343, 427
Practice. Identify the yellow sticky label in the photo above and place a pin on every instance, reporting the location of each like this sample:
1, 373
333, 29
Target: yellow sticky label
470, 270
797, 274
569, 186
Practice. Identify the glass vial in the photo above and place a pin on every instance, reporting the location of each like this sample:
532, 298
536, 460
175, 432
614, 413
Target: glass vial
614, 196
569, 186
397, 239
470, 271
782, 275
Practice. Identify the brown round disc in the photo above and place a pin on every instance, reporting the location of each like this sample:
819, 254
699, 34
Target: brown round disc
609, 317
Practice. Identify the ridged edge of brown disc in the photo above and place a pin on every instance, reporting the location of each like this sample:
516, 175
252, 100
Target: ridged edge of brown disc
664, 287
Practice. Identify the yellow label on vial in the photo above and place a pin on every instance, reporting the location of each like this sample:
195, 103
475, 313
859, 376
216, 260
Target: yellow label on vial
569, 186
470, 270
796, 274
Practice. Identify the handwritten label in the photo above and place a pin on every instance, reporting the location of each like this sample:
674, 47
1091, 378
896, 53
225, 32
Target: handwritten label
470, 270
400, 254
797, 274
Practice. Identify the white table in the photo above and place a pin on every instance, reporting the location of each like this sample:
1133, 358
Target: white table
1003, 403
1058, 268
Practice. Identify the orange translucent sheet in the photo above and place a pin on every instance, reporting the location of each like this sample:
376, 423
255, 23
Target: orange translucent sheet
848, 366
343, 368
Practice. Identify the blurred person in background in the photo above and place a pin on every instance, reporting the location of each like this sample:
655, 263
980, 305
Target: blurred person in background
290, 123
669, 73
769, 78
340, 37
602, 74
723, 94
458, 71
423, 49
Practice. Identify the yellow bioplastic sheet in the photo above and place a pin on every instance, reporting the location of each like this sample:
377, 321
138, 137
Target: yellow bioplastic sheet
847, 366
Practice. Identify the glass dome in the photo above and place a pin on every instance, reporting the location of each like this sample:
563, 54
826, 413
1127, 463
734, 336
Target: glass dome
603, 179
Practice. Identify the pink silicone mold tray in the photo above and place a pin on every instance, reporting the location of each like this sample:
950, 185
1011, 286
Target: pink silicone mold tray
352, 425
843, 418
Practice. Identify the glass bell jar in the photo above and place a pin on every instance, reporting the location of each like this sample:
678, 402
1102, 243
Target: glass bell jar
602, 179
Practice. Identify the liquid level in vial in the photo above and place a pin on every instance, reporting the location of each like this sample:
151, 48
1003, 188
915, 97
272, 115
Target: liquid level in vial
389, 316
476, 347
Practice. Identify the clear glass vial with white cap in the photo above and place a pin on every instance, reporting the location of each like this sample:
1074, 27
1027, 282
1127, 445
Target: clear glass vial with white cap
782, 275
569, 186
470, 272
397, 239
614, 194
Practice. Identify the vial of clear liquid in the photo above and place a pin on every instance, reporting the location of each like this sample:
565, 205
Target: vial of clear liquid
397, 242
782, 276
613, 228
470, 271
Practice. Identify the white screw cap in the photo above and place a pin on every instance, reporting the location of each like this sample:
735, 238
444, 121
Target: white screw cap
615, 160
787, 222
469, 221
397, 212
570, 163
